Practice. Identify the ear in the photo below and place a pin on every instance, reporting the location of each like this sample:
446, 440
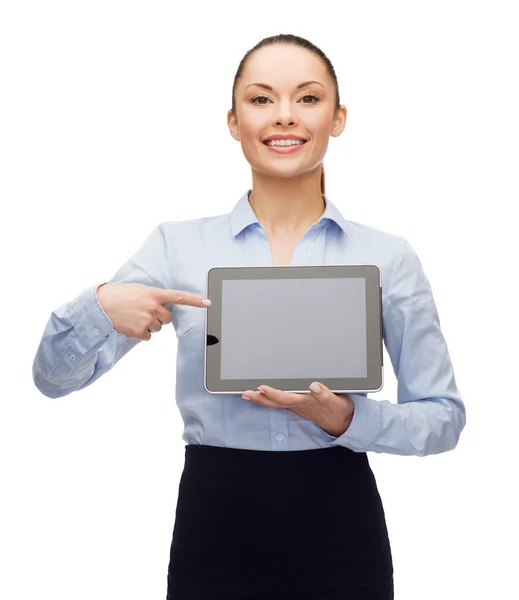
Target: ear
339, 121
233, 125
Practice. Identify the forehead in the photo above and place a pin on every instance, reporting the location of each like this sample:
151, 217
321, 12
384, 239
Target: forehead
284, 65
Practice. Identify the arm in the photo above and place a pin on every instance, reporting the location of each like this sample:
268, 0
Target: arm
78, 344
429, 415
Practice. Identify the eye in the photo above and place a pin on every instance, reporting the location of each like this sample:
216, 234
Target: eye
311, 96
256, 98
314, 96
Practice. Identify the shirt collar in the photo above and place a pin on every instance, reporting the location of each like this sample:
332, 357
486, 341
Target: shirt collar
243, 215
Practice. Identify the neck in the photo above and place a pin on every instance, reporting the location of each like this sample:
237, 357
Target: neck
287, 206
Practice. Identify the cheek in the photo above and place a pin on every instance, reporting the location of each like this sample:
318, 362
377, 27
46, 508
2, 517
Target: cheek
320, 125
251, 128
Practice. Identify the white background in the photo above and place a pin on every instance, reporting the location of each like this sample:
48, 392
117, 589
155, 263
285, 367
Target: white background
113, 119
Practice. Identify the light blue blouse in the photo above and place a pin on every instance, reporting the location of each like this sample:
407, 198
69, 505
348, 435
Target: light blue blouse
79, 345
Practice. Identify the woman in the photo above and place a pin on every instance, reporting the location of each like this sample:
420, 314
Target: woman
277, 495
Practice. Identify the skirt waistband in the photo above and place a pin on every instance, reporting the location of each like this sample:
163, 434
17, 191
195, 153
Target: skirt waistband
211, 460
224, 452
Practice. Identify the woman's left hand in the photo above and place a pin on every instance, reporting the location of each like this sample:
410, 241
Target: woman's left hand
332, 412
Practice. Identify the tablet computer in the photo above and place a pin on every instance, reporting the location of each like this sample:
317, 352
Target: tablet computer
287, 326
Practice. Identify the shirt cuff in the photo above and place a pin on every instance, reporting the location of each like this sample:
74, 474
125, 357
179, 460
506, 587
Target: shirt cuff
365, 424
88, 317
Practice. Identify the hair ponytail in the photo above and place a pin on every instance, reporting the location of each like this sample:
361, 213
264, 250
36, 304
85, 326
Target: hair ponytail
323, 187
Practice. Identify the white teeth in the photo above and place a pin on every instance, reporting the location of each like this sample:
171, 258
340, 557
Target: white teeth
284, 142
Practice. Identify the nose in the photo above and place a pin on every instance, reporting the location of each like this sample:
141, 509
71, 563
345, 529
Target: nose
286, 113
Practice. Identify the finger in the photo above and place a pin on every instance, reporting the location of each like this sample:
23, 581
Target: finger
318, 389
323, 395
155, 326
260, 398
285, 399
181, 297
163, 315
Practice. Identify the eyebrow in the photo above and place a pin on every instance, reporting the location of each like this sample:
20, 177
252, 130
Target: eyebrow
268, 87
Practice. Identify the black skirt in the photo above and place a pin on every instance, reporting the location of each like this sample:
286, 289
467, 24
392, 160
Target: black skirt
254, 524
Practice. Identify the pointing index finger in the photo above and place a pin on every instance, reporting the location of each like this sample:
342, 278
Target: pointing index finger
183, 297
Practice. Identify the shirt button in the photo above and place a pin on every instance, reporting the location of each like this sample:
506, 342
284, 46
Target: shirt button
279, 437
72, 356
96, 331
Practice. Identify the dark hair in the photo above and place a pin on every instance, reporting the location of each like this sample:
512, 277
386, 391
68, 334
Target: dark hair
288, 38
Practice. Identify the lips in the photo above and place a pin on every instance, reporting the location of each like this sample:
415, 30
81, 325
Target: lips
284, 136
290, 149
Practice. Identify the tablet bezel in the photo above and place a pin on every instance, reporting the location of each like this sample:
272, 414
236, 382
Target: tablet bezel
374, 380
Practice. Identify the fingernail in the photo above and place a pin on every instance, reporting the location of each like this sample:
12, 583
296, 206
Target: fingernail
245, 397
206, 301
315, 388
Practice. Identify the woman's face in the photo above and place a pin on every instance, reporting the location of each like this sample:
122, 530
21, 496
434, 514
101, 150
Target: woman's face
308, 112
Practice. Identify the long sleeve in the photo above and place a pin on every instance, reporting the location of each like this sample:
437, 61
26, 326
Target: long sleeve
429, 414
79, 343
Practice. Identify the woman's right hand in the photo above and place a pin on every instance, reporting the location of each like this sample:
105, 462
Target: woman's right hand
137, 310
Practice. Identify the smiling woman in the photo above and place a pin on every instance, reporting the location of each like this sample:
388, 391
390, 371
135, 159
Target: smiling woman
250, 522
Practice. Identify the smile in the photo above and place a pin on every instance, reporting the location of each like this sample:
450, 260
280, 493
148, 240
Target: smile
285, 149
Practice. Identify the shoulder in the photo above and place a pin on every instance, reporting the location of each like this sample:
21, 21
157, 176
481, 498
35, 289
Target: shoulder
190, 226
389, 244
